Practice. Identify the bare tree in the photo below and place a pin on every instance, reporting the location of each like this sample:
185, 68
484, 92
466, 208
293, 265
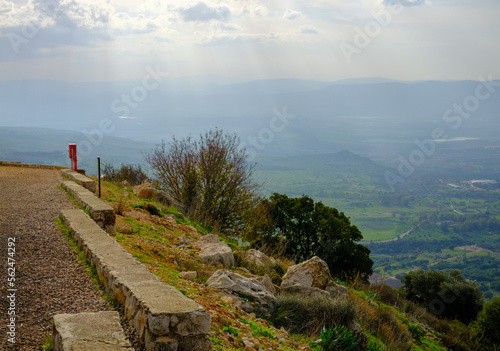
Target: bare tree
210, 177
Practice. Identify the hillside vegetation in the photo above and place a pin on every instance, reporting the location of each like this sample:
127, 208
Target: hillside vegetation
162, 238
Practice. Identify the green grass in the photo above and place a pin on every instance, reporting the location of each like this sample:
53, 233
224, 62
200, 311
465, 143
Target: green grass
258, 330
47, 344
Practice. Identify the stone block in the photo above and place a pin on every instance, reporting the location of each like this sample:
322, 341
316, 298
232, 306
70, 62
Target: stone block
101, 213
99, 331
81, 179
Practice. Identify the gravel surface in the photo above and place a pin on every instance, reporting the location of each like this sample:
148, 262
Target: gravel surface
48, 278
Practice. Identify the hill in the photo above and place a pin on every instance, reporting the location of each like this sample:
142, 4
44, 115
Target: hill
167, 247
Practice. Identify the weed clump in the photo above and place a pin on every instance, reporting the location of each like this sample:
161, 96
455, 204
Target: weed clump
308, 315
152, 209
338, 339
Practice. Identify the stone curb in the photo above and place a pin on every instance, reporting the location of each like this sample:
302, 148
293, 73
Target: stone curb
100, 331
101, 213
164, 318
80, 179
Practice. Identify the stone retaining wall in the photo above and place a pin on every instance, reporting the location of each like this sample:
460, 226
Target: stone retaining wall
100, 331
101, 213
164, 318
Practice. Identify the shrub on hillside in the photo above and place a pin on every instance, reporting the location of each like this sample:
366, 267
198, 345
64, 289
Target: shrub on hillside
210, 177
338, 339
448, 295
307, 315
488, 322
132, 174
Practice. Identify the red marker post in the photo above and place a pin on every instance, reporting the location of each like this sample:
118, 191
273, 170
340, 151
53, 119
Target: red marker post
72, 156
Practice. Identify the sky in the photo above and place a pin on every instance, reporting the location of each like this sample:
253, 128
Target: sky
99, 40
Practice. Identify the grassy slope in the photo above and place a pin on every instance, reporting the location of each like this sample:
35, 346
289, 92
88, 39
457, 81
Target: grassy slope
156, 243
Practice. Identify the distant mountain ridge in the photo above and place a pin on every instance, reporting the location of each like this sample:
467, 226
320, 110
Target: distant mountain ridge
367, 115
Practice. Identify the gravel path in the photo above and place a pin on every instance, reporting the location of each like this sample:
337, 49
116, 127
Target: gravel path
48, 277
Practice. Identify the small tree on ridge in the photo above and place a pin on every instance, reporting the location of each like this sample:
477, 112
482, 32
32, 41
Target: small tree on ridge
210, 177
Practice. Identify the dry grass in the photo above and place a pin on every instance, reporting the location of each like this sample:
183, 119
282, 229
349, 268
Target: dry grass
381, 321
307, 315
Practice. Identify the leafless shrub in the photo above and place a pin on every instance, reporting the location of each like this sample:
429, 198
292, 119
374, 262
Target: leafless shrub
209, 177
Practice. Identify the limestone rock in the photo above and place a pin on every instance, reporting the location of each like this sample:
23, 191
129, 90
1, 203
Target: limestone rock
261, 299
213, 251
268, 283
145, 191
188, 275
258, 258
313, 273
336, 289
163, 197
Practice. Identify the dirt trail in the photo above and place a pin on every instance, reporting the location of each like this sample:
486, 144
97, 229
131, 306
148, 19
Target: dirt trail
49, 280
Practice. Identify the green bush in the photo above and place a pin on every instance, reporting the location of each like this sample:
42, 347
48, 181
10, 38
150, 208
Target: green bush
306, 315
230, 330
488, 322
338, 339
305, 228
448, 295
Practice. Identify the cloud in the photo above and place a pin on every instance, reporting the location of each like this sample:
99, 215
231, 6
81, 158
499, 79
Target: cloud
255, 11
28, 31
224, 39
124, 24
201, 12
5, 7
223, 27
406, 3
308, 30
292, 15
75, 14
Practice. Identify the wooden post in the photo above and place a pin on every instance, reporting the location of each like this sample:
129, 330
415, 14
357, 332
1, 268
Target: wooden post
99, 173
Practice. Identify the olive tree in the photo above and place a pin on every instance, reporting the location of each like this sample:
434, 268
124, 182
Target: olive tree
209, 177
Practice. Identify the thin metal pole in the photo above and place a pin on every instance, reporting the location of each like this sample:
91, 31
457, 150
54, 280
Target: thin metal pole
99, 173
